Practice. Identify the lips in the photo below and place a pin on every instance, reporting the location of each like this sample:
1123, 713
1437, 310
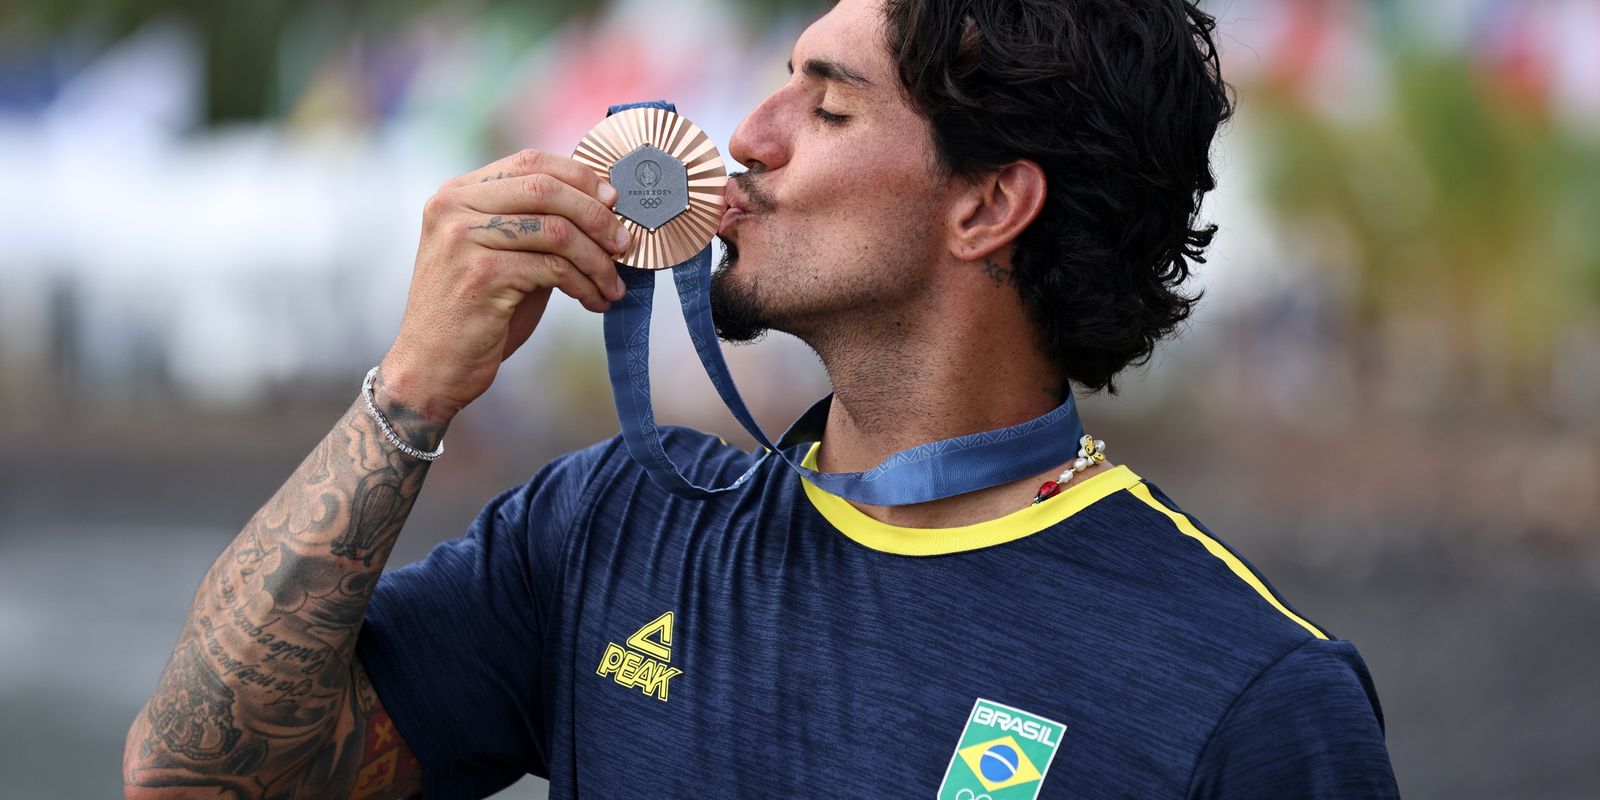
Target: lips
729, 217
736, 210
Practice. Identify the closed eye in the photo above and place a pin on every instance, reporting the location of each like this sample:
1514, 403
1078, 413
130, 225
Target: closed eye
828, 117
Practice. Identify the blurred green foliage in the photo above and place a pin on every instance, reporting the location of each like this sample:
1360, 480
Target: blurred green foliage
1462, 198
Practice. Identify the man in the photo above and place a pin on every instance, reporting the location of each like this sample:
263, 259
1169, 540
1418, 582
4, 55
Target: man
963, 208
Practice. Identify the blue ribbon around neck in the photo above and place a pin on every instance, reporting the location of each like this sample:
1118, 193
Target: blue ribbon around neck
926, 472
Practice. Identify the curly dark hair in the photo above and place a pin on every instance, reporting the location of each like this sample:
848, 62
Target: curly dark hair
1117, 101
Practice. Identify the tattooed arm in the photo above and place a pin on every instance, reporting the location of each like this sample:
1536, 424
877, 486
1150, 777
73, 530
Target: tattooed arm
262, 696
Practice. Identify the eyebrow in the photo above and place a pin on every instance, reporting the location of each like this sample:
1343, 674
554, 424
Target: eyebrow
826, 70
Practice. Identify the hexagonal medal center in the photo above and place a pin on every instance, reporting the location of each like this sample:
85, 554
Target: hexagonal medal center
652, 187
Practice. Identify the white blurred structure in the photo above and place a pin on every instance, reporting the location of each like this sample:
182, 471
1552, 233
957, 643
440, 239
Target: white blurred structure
148, 256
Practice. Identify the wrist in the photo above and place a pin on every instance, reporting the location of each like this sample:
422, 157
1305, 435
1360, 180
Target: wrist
408, 407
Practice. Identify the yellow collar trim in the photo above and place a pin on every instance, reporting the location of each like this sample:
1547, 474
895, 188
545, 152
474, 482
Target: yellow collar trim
882, 536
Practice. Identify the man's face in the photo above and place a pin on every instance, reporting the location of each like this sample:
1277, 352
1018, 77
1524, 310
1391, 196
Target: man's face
839, 213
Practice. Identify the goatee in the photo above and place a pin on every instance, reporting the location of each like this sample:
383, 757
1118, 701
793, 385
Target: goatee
734, 307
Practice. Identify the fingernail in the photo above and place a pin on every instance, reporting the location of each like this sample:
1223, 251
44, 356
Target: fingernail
622, 237
608, 193
622, 288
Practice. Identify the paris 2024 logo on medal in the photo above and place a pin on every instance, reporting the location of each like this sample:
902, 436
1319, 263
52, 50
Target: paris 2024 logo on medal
1003, 754
648, 173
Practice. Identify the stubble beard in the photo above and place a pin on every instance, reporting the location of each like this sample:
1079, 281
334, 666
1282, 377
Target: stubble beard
837, 311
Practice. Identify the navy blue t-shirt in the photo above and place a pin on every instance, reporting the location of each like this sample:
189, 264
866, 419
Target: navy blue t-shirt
777, 642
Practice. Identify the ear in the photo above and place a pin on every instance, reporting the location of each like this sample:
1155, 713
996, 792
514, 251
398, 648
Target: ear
992, 211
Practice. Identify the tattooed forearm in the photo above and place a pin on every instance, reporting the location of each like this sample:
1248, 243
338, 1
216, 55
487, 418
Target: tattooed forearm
192, 711
259, 698
511, 228
376, 507
997, 272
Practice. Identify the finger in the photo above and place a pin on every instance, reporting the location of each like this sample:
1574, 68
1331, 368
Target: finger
545, 194
535, 271
548, 233
533, 162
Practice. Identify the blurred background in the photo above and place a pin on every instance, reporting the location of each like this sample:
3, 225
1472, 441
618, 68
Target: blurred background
1390, 399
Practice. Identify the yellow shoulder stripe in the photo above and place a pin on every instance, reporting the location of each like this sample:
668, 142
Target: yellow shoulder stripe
1215, 548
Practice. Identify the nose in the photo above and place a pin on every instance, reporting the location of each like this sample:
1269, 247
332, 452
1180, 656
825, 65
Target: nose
761, 142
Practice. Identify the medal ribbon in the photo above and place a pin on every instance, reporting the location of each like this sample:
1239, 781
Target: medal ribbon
917, 475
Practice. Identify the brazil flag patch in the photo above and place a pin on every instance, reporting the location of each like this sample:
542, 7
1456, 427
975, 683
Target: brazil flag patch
1003, 754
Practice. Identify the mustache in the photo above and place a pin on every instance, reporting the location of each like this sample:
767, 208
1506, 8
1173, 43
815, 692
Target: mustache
756, 195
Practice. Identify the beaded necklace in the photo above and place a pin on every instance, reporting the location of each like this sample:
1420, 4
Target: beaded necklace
1091, 451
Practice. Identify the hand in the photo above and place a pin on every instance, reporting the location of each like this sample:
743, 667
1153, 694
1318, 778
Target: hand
494, 243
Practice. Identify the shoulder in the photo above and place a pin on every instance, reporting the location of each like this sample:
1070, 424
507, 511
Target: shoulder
1207, 583
1294, 711
1177, 603
1308, 725
1308, 673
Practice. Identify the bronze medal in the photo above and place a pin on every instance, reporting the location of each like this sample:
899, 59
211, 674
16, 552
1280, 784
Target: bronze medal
669, 179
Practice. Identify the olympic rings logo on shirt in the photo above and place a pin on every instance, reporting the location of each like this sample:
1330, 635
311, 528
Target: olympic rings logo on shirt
967, 794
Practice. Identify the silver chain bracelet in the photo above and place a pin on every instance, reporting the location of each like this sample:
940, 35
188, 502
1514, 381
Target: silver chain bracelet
383, 424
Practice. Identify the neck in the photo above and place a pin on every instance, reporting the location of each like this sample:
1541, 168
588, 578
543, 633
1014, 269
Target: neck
933, 374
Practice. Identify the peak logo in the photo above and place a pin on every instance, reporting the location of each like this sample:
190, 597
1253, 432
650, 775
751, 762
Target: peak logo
1003, 754
643, 663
